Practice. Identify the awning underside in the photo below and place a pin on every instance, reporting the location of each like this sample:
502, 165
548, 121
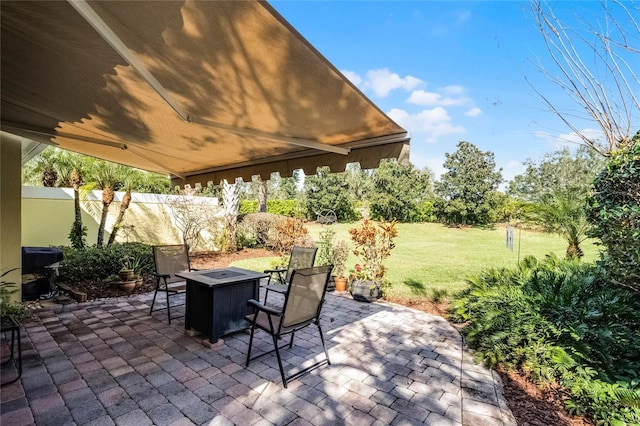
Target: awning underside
256, 96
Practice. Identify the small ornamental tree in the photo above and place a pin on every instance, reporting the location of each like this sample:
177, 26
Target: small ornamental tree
373, 244
614, 211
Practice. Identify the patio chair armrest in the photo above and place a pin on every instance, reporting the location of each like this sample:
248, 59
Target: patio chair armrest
264, 308
278, 270
155, 274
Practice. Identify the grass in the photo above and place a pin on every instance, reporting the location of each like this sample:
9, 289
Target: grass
430, 257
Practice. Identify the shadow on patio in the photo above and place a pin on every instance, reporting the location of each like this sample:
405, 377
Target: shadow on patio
109, 362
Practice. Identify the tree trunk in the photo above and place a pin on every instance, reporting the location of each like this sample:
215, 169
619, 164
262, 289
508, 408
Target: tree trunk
103, 221
126, 200
574, 251
262, 196
77, 222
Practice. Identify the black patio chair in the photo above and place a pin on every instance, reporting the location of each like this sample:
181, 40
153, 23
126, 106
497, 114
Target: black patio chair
301, 257
302, 306
169, 260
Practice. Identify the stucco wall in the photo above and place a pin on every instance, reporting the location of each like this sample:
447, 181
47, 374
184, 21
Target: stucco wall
10, 252
48, 213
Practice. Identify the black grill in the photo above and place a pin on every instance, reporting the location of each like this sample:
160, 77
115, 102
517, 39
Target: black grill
39, 267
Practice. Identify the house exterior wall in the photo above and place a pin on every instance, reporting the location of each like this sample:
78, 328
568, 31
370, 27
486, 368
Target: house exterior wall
10, 249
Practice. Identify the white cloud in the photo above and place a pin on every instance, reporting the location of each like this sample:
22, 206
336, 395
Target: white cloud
353, 77
569, 139
428, 123
573, 138
421, 97
473, 112
382, 81
453, 90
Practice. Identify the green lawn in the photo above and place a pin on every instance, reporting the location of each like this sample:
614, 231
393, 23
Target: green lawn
431, 256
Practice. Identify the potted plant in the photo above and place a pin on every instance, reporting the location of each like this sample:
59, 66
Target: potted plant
339, 255
374, 242
127, 272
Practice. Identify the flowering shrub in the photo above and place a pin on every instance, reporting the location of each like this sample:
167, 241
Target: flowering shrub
374, 242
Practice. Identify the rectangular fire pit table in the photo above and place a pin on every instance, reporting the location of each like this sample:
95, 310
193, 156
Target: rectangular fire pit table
216, 300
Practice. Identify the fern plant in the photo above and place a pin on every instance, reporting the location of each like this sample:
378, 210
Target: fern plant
559, 321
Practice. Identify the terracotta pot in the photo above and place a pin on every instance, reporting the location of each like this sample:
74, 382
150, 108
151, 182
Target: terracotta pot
341, 283
126, 274
126, 286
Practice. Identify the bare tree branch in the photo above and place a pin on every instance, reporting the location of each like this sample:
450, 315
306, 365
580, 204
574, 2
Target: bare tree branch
593, 65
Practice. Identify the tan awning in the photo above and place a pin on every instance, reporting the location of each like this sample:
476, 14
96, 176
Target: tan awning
202, 90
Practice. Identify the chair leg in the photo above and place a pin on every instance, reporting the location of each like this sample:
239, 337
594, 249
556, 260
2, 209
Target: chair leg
253, 329
154, 297
284, 379
323, 346
266, 294
291, 342
168, 306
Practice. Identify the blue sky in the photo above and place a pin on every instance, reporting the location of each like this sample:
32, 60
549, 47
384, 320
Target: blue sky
448, 71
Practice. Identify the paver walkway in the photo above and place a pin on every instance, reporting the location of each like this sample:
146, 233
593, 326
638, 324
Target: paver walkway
108, 362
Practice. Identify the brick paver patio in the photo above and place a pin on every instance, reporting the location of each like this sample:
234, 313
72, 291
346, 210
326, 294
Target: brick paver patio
108, 362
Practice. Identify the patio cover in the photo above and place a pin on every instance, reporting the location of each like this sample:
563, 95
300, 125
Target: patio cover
201, 90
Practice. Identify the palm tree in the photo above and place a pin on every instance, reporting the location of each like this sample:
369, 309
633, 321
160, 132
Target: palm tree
43, 169
106, 177
71, 167
129, 183
566, 216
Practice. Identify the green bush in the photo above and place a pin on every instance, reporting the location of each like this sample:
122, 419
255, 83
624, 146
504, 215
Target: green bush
248, 207
289, 208
8, 306
96, 263
425, 212
560, 321
614, 212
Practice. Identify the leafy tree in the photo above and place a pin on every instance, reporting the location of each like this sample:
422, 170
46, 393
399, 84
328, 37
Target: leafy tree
466, 189
557, 187
399, 189
359, 181
559, 171
614, 211
152, 183
283, 188
328, 191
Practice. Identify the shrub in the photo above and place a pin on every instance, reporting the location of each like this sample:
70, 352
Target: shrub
9, 307
373, 244
95, 263
289, 233
258, 227
614, 212
425, 212
325, 246
559, 321
248, 207
289, 208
